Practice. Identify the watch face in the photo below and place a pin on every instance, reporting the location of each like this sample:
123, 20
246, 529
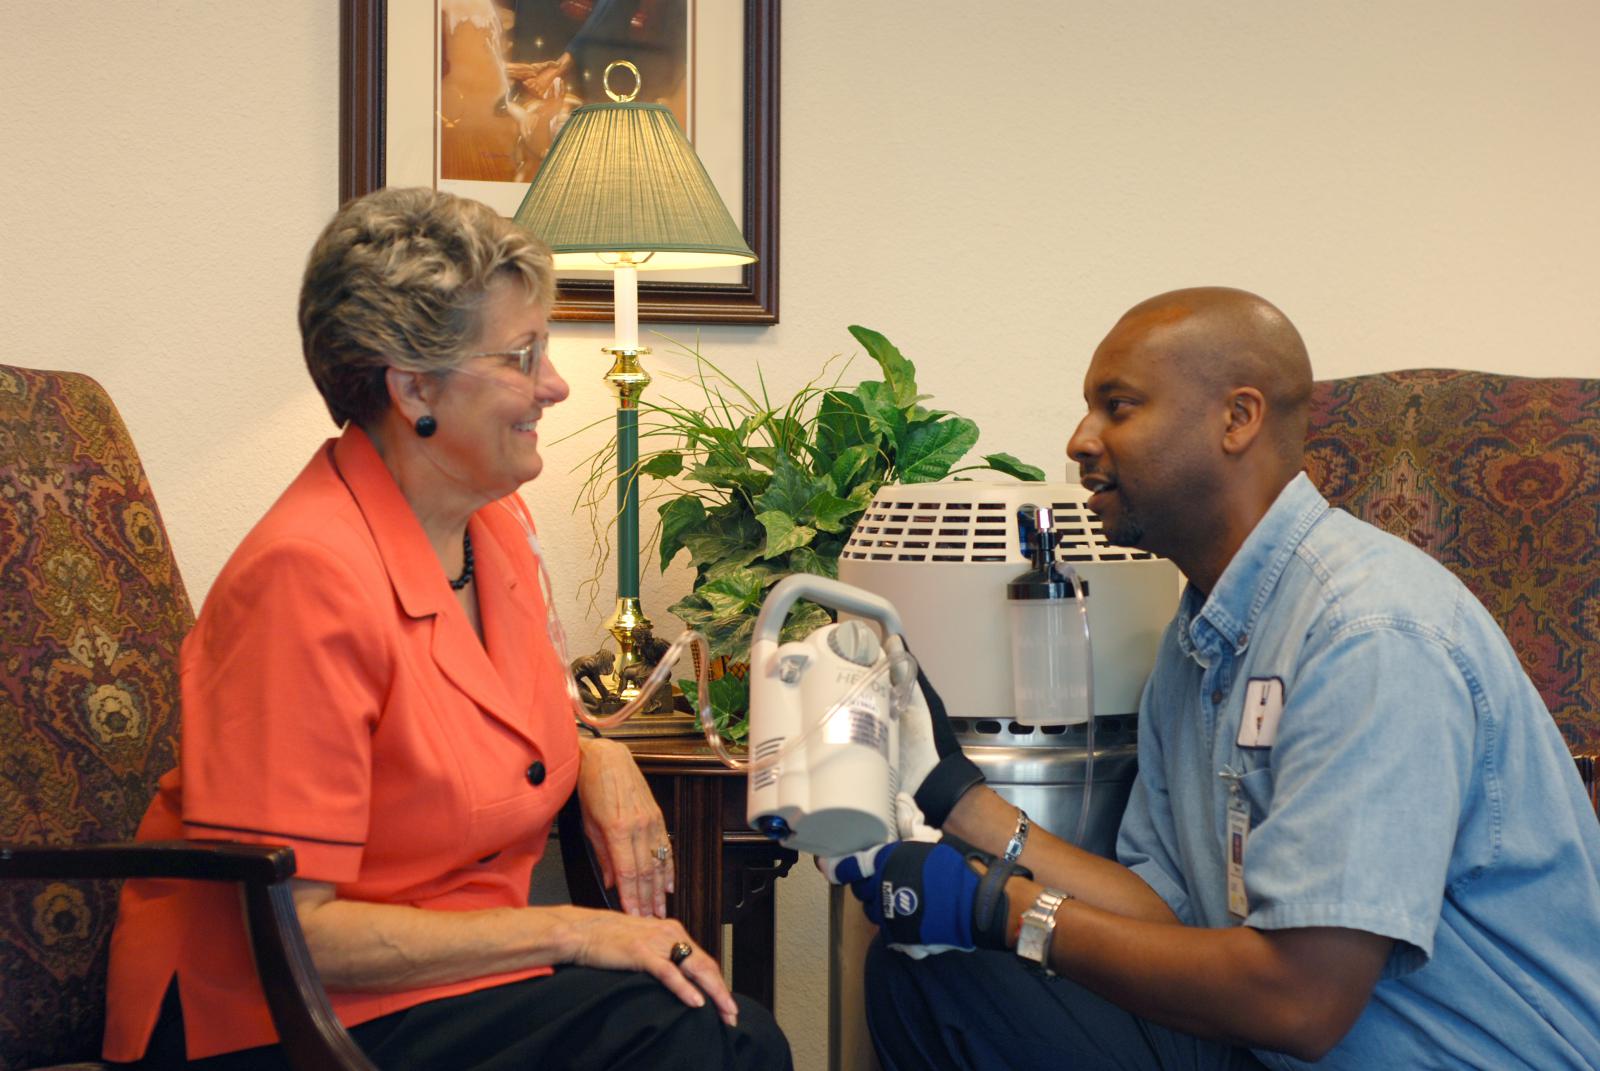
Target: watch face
1033, 938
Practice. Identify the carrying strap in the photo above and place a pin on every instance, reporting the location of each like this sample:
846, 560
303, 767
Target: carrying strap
991, 907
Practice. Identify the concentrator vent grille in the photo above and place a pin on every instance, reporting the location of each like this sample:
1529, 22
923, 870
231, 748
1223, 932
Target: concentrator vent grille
971, 522
768, 776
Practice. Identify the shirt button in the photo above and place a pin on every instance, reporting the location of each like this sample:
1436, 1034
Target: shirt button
536, 774
1216, 698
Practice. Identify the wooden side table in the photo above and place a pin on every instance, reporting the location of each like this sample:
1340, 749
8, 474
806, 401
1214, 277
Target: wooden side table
727, 872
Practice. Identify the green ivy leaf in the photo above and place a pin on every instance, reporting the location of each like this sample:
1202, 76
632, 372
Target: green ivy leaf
719, 541
810, 560
828, 512
726, 635
929, 451
885, 414
662, 465
842, 425
740, 477
767, 573
679, 517
724, 610
1013, 467
729, 698
790, 489
899, 373
863, 494
804, 619
783, 534
849, 464
723, 447
729, 595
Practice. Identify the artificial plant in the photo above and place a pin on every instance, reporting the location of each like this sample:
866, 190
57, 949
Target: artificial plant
754, 490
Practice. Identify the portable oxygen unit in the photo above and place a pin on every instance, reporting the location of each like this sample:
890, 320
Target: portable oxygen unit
998, 590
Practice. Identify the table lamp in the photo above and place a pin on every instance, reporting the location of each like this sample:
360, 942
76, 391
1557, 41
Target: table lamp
621, 189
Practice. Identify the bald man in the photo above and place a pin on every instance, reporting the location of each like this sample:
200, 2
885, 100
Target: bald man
1356, 835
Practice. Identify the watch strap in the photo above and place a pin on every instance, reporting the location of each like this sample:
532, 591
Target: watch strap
991, 907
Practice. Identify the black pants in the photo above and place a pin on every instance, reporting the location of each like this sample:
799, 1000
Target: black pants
577, 1018
990, 1010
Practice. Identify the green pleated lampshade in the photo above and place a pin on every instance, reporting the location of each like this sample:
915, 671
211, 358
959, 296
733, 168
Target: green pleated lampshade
621, 178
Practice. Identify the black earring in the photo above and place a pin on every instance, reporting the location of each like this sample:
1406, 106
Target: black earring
426, 425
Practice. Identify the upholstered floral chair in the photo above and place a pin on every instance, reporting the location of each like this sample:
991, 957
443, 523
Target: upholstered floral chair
1497, 477
92, 611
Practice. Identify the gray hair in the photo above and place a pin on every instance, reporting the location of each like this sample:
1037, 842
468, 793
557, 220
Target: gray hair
398, 279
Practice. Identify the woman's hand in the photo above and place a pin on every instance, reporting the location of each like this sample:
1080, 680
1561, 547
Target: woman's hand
389, 948
625, 826
621, 942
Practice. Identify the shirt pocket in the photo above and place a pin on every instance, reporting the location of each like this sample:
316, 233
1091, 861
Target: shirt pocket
1255, 782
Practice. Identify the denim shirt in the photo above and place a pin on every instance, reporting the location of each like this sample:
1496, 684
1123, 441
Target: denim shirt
1416, 788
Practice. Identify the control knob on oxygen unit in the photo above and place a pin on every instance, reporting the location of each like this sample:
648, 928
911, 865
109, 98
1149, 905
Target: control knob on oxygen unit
854, 642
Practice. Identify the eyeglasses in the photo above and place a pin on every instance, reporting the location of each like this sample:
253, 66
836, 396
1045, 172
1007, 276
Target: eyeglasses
525, 360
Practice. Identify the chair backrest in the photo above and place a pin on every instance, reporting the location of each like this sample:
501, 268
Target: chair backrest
1498, 478
92, 611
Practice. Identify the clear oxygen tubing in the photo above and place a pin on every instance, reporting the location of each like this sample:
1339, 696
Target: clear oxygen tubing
899, 696
1079, 591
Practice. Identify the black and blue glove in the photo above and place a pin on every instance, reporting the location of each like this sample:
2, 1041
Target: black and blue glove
925, 896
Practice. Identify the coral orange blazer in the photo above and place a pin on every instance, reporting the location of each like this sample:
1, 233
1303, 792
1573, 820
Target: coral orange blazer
336, 699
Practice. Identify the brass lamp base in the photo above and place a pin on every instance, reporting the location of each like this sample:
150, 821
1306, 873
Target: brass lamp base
632, 631
669, 715
638, 651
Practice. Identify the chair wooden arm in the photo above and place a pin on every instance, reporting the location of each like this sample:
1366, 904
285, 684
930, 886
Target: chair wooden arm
584, 884
199, 860
307, 1027
1588, 768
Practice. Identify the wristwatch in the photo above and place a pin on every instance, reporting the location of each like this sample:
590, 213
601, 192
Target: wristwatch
1038, 924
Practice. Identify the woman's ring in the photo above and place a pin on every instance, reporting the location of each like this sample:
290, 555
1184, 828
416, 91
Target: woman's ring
680, 952
662, 852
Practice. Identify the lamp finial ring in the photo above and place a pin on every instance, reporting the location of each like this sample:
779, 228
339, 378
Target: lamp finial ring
605, 80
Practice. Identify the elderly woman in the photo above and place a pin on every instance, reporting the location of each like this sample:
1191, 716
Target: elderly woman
372, 682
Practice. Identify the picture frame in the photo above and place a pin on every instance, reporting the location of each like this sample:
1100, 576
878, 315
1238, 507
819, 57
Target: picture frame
364, 146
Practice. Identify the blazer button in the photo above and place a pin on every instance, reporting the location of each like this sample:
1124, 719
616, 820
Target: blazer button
536, 774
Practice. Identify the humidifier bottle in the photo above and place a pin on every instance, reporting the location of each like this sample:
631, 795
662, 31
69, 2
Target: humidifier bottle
1049, 645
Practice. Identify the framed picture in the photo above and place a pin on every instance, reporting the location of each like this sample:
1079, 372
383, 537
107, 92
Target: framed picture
390, 122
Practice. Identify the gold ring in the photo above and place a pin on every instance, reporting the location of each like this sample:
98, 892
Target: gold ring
680, 952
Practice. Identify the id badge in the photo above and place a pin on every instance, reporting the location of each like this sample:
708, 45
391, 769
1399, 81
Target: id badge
1238, 837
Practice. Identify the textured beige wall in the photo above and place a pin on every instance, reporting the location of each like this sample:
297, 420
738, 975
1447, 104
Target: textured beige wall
989, 185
